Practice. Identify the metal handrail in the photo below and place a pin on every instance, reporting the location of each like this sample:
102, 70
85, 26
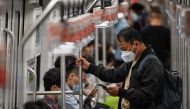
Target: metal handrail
35, 82
12, 49
80, 82
173, 19
91, 6
52, 92
63, 84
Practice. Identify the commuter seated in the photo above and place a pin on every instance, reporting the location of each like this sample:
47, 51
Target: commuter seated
52, 83
72, 84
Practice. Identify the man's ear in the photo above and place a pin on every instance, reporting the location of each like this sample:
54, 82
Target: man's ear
136, 43
71, 75
54, 88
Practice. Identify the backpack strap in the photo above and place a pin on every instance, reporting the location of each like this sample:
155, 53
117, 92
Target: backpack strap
145, 59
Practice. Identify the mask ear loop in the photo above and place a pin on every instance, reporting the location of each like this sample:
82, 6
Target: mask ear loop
133, 49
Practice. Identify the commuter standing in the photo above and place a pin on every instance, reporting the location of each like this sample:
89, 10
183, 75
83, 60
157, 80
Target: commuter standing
141, 89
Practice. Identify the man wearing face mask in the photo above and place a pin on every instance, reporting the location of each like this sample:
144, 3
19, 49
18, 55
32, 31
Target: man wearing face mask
72, 84
141, 89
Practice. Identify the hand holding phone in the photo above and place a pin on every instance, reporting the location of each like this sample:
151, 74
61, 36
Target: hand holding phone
92, 90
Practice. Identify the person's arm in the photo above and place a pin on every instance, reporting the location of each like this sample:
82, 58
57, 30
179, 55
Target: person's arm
150, 83
71, 102
110, 75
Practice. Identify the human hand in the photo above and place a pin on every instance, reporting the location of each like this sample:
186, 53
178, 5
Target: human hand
112, 90
84, 62
93, 93
90, 92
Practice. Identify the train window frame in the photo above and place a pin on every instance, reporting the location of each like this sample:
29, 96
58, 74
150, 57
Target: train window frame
37, 13
55, 15
31, 64
34, 64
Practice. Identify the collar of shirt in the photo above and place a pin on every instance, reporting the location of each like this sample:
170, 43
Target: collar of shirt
51, 103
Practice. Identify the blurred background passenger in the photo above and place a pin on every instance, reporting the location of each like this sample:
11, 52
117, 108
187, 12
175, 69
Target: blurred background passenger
158, 36
110, 58
122, 23
52, 82
138, 16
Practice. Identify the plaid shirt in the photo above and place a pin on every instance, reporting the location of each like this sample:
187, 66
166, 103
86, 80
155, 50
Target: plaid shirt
51, 103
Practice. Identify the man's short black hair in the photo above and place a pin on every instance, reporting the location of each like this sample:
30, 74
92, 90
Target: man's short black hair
52, 77
36, 105
69, 60
129, 35
71, 68
137, 7
90, 59
156, 10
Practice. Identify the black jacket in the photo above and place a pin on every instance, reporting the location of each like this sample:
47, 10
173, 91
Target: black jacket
145, 86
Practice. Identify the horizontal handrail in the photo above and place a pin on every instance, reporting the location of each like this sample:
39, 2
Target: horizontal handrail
52, 92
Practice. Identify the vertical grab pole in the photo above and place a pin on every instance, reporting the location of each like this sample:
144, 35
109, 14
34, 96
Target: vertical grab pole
97, 52
80, 82
104, 46
104, 55
63, 84
96, 47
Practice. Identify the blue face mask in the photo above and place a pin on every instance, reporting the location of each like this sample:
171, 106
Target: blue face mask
135, 17
76, 87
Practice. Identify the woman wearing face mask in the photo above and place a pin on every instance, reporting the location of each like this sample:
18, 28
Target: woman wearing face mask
141, 89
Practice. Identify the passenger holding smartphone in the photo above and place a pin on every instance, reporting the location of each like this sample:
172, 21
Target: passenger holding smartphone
141, 89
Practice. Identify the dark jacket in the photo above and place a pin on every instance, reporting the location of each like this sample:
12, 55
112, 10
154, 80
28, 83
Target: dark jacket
145, 86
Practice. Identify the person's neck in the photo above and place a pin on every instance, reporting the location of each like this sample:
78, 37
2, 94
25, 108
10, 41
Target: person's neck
53, 97
143, 47
69, 84
156, 22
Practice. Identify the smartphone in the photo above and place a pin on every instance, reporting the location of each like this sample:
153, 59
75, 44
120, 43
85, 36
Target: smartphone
103, 86
91, 89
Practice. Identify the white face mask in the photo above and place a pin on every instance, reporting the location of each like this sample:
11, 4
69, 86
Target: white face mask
128, 56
